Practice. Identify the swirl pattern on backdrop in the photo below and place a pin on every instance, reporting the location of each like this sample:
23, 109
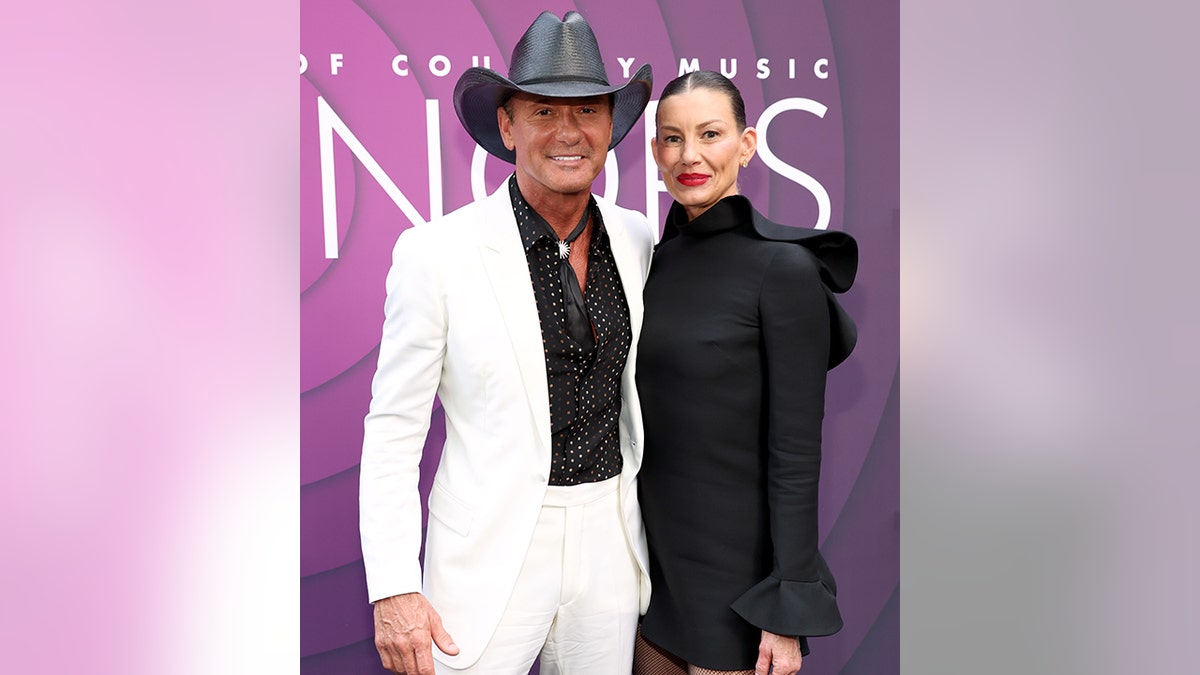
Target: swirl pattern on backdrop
829, 93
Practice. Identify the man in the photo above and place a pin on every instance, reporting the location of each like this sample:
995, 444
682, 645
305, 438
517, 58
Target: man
521, 312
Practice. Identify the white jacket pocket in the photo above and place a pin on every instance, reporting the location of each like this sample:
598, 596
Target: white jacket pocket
447, 508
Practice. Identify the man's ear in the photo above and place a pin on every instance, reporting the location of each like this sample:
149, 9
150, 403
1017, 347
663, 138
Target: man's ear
505, 123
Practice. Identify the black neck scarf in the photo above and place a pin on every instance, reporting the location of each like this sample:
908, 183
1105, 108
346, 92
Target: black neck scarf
579, 326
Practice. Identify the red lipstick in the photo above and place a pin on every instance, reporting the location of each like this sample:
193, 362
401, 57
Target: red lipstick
692, 179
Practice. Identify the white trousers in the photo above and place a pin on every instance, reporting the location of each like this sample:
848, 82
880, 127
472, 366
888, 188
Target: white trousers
575, 603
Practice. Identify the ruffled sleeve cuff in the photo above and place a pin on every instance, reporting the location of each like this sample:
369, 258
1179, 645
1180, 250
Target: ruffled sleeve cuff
800, 608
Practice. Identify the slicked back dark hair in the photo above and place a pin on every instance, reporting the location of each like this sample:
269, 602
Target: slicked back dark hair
707, 79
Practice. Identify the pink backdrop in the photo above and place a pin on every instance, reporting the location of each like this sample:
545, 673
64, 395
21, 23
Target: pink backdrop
382, 150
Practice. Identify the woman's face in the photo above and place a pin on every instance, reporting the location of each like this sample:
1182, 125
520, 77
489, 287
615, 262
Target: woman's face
698, 148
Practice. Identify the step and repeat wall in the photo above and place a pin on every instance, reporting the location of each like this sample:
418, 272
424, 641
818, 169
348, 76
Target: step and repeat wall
382, 151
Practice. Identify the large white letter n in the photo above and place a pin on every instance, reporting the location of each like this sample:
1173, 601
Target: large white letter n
328, 123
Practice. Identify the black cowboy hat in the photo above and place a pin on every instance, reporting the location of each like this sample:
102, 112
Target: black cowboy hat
553, 58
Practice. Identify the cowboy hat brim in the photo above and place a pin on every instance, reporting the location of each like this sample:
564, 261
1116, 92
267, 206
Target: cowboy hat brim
480, 91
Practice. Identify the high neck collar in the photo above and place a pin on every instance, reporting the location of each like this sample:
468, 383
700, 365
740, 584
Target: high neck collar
726, 214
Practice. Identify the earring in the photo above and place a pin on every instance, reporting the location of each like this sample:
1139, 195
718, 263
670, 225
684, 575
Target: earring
745, 163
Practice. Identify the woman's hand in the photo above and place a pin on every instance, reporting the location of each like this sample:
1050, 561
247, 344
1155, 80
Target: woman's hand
777, 655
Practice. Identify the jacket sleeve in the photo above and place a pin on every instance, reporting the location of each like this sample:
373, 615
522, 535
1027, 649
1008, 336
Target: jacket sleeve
798, 598
411, 353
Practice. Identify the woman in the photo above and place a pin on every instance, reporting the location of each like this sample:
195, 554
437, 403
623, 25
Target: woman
740, 328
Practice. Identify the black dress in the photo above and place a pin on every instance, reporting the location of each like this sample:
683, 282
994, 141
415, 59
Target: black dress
740, 328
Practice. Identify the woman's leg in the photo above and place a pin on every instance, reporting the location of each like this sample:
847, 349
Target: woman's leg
650, 659
695, 670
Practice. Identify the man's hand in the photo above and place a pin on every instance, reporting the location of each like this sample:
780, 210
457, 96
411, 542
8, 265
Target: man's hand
404, 625
777, 655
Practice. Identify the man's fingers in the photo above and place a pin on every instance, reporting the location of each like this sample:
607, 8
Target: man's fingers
411, 660
406, 627
385, 657
387, 653
424, 661
442, 638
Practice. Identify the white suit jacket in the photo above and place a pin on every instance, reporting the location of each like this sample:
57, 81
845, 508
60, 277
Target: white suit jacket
461, 322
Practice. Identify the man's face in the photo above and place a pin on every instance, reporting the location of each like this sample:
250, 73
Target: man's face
560, 143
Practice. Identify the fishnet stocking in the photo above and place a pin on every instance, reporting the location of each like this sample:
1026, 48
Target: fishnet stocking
650, 659
693, 670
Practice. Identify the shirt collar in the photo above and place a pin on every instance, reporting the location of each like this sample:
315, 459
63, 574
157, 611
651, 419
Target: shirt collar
531, 224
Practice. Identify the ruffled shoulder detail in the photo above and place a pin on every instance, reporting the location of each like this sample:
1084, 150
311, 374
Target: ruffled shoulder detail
837, 258
801, 608
835, 252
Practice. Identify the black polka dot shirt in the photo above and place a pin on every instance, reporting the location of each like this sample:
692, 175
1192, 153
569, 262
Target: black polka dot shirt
585, 386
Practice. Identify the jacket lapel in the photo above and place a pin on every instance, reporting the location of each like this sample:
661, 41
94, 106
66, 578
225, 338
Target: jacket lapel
632, 268
630, 265
508, 272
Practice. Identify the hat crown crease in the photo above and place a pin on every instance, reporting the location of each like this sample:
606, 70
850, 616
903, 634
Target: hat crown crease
557, 51
555, 59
